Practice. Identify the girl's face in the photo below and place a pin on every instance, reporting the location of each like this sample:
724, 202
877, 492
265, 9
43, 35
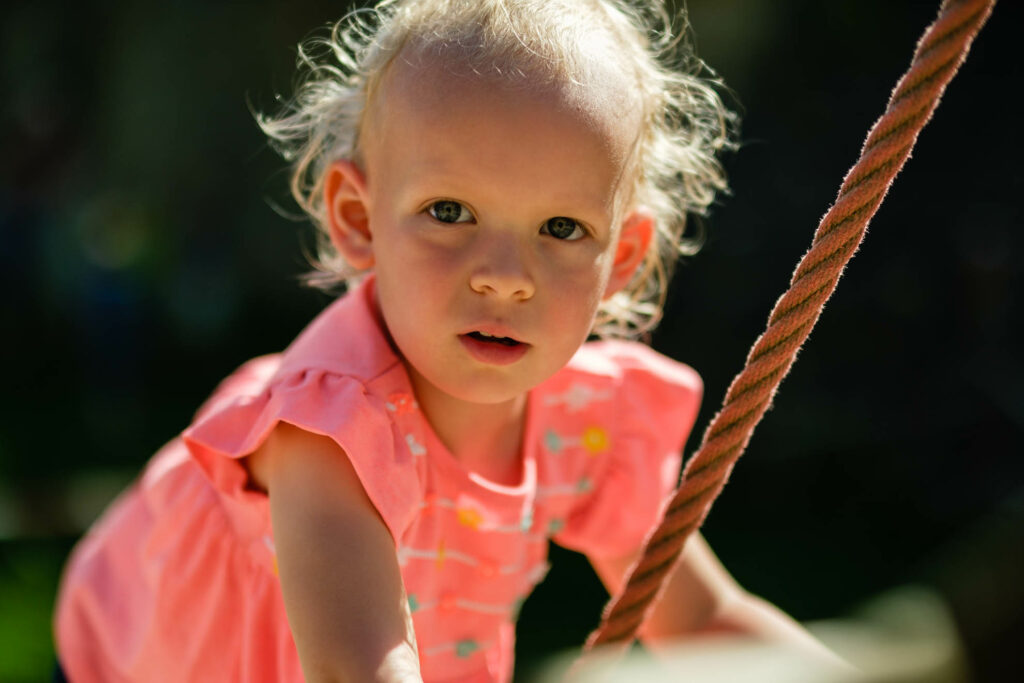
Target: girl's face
494, 224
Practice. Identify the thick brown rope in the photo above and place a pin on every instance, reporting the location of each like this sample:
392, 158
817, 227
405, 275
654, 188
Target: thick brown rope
939, 54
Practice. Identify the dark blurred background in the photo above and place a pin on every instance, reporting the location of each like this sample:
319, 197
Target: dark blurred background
147, 247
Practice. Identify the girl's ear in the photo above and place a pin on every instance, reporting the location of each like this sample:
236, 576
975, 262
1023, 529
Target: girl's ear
348, 221
635, 238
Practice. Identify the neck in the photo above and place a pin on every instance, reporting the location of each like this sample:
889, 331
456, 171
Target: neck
485, 437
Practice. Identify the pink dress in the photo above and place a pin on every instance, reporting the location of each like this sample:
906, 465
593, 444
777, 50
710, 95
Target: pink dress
177, 581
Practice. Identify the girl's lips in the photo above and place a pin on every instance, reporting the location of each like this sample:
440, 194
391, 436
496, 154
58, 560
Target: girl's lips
496, 351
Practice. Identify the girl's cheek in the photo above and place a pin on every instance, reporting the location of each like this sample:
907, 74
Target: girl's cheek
439, 254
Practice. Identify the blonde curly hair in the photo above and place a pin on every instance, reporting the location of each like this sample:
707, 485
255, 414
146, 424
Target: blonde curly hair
684, 122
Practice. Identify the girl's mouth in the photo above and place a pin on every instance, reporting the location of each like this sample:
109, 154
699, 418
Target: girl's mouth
492, 350
506, 341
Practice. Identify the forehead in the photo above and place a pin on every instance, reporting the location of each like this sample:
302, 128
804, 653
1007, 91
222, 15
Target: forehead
429, 91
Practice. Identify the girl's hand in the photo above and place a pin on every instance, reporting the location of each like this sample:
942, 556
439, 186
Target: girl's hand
702, 598
339, 573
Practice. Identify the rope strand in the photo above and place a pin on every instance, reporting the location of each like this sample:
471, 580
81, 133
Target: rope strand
939, 53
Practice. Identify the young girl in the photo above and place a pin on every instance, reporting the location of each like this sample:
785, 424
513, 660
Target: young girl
496, 180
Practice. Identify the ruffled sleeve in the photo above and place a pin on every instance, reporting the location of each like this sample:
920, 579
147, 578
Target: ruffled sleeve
634, 451
248, 405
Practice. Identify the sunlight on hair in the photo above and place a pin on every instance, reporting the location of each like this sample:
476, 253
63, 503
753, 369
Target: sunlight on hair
684, 123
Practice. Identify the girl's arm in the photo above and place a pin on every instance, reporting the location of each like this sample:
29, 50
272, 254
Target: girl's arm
339, 573
702, 598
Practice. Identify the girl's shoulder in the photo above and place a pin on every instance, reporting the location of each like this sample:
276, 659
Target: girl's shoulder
338, 379
613, 392
344, 342
611, 426
337, 373
345, 339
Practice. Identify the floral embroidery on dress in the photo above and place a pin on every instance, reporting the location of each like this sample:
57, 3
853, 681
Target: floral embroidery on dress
465, 648
577, 397
470, 517
526, 523
582, 485
449, 602
462, 648
593, 440
401, 403
415, 447
442, 553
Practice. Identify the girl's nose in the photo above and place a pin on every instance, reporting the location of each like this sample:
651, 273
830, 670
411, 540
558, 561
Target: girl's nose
502, 271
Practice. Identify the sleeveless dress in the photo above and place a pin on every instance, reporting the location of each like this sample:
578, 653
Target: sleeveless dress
177, 581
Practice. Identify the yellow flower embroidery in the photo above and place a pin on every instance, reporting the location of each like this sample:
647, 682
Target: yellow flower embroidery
469, 517
594, 440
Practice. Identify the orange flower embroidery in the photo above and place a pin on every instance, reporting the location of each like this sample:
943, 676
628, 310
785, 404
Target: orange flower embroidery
440, 554
469, 517
594, 440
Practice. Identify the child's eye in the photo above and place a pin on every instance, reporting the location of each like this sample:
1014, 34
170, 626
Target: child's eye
564, 228
448, 211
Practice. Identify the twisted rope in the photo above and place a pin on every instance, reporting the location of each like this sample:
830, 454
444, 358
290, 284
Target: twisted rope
941, 50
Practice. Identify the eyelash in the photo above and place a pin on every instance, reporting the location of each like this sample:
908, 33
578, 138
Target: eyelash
432, 210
